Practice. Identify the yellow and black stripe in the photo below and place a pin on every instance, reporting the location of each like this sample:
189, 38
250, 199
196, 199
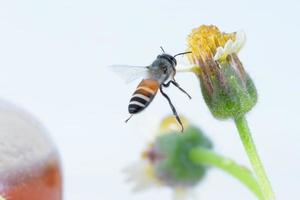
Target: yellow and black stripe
143, 95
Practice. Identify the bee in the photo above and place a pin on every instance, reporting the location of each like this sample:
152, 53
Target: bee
160, 74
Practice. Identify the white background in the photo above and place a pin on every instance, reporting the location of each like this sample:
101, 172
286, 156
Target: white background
53, 62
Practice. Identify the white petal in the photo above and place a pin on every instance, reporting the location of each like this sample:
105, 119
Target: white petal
231, 46
140, 173
186, 68
184, 194
240, 40
143, 186
219, 53
228, 47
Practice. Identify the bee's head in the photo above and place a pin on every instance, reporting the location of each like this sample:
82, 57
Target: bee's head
169, 58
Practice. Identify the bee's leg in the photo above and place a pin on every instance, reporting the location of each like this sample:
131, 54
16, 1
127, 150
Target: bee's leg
177, 85
172, 107
180, 88
128, 118
166, 84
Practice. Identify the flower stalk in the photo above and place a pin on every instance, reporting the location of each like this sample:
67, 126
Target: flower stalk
227, 88
245, 135
203, 156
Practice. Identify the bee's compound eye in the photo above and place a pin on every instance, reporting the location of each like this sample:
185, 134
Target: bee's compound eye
165, 69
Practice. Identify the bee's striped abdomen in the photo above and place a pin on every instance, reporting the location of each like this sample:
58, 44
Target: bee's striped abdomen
143, 95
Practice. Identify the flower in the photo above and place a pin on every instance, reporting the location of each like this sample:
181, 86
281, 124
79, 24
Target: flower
142, 174
227, 88
166, 162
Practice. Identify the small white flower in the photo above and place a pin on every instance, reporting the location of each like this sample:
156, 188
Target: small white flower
230, 46
141, 173
147, 173
184, 194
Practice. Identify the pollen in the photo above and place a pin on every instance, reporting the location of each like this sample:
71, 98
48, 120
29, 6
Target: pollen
205, 41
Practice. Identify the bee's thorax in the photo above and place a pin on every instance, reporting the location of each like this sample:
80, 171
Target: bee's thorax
162, 68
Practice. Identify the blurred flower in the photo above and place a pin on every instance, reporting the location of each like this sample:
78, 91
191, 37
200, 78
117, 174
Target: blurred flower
226, 87
142, 174
166, 163
1, 198
169, 124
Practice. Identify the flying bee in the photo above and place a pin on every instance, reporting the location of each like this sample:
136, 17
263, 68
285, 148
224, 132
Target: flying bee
160, 74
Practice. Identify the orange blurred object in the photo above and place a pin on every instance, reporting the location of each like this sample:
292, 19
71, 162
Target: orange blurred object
29, 163
42, 183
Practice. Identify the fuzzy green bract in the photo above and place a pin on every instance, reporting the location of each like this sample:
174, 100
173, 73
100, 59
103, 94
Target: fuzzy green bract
231, 97
174, 167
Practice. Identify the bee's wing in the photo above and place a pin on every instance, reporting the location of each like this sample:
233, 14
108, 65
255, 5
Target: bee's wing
130, 73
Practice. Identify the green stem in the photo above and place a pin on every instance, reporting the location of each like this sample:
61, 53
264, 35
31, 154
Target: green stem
245, 135
204, 156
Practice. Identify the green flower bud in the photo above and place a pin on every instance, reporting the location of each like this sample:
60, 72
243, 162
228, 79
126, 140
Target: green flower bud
169, 156
226, 87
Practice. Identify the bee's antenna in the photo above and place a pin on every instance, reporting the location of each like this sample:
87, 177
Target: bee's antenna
182, 53
162, 49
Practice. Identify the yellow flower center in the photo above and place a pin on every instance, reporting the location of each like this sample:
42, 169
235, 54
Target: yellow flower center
204, 41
